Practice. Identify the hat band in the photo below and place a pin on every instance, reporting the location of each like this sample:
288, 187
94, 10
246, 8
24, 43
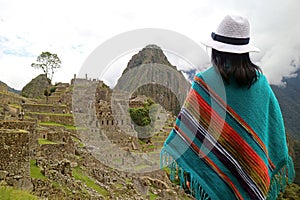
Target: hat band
229, 40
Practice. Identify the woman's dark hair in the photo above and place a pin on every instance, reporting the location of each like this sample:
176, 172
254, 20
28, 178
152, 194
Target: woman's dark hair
237, 66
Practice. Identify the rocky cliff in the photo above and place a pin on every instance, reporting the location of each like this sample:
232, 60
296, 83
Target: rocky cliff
36, 87
150, 73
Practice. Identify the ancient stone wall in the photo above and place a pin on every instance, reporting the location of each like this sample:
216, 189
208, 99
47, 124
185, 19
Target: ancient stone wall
57, 151
7, 98
53, 99
58, 118
45, 108
14, 156
56, 134
23, 125
29, 126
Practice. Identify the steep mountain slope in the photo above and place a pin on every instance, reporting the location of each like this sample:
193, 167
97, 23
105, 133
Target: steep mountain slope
289, 100
150, 73
10, 89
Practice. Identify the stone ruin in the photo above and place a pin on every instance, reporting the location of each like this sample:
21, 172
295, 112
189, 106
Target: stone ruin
15, 154
67, 149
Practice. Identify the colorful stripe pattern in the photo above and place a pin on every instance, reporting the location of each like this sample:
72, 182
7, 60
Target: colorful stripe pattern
235, 116
212, 131
225, 157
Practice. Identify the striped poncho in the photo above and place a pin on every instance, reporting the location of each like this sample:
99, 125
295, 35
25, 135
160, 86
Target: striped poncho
229, 142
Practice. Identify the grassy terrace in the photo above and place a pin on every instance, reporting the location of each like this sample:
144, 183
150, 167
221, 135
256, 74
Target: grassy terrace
9, 193
152, 196
46, 105
44, 141
56, 114
79, 174
80, 144
15, 106
68, 127
35, 171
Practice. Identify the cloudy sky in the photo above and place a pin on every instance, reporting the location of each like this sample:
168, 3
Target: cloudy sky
74, 29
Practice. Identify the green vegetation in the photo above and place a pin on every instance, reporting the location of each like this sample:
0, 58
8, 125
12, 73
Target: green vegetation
35, 171
15, 106
140, 167
152, 196
48, 63
44, 105
144, 118
56, 114
151, 146
69, 127
9, 193
128, 180
78, 174
118, 185
42, 141
55, 184
52, 89
80, 144
167, 170
142, 142
140, 116
291, 192
296, 159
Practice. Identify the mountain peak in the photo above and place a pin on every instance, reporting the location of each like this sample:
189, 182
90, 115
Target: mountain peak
152, 46
151, 54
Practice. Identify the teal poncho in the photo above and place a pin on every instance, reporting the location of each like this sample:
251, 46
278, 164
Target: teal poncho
229, 141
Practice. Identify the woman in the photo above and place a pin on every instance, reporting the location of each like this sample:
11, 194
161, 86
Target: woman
229, 142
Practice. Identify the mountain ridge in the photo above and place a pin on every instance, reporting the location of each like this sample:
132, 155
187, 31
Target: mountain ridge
10, 89
289, 101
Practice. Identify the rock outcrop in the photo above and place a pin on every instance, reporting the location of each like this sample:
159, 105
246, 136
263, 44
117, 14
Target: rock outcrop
150, 73
36, 87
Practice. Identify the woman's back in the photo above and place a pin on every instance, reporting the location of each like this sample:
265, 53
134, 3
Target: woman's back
228, 141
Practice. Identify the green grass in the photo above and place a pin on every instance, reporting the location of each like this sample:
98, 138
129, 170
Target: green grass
140, 167
78, 174
167, 170
43, 104
15, 105
42, 141
55, 184
152, 196
80, 144
8, 193
35, 171
128, 180
151, 146
118, 185
68, 127
56, 114
142, 142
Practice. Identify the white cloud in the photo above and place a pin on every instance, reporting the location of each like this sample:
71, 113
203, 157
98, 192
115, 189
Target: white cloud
73, 29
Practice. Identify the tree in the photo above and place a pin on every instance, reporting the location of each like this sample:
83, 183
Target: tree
48, 92
48, 62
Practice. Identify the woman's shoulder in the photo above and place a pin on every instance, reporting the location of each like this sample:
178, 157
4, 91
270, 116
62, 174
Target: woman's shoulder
210, 71
262, 80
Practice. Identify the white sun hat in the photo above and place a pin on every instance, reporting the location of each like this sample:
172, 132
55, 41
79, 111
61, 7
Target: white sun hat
232, 35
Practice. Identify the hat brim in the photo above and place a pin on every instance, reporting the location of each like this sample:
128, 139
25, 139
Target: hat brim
230, 48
